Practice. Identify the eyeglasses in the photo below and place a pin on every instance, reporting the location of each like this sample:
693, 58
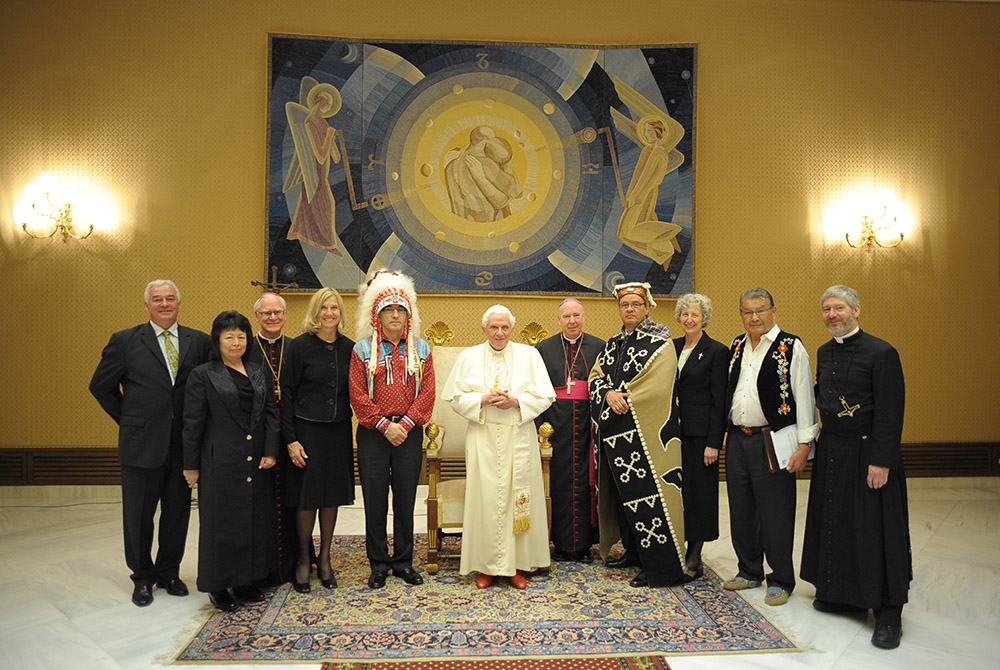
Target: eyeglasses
747, 313
272, 312
631, 305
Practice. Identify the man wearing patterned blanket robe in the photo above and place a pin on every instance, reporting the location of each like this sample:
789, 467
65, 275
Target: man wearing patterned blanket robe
638, 444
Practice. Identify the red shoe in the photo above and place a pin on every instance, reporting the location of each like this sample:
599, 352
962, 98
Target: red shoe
518, 581
483, 581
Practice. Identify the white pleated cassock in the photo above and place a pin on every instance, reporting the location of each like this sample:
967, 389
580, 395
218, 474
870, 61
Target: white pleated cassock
503, 465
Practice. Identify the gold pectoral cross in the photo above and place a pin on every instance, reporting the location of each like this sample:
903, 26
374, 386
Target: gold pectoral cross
848, 410
496, 384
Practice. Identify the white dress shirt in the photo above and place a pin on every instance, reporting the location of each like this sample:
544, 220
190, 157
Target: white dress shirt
163, 346
746, 410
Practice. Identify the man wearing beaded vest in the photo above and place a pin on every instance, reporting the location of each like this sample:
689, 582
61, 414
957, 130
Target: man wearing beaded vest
392, 393
639, 497
270, 349
769, 389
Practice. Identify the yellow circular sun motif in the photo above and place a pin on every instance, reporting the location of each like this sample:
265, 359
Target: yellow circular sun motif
486, 178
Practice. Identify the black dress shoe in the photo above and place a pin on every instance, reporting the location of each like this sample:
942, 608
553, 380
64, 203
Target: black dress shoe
249, 594
835, 608
887, 635
376, 579
639, 581
696, 572
560, 555
410, 576
174, 586
301, 587
626, 561
223, 600
142, 594
584, 556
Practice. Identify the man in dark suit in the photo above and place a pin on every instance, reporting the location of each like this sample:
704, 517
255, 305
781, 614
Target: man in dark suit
140, 384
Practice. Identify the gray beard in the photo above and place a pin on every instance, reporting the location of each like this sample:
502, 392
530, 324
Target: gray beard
843, 330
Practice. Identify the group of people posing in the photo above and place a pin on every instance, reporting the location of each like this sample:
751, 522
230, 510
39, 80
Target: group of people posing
262, 423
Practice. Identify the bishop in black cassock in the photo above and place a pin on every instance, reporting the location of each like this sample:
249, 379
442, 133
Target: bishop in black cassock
568, 357
857, 541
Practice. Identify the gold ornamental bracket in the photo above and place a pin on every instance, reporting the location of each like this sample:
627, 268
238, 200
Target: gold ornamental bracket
533, 333
439, 333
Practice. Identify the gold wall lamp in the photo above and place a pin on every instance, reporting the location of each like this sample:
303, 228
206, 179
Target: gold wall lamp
41, 202
870, 232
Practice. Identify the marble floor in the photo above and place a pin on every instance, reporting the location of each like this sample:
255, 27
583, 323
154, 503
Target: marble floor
65, 593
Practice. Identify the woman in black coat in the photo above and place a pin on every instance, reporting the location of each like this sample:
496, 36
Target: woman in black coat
231, 435
701, 396
316, 426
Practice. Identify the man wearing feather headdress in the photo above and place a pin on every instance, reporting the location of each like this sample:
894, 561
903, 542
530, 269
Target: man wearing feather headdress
392, 394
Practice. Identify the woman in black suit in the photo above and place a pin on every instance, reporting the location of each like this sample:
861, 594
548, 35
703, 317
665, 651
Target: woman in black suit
701, 395
316, 426
231, 433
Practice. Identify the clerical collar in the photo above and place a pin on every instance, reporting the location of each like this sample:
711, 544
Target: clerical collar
566, 339
268, 339
501, 352
840, 340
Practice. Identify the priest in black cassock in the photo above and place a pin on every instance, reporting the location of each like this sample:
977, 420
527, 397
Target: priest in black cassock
857, 539
270, 349
568, 357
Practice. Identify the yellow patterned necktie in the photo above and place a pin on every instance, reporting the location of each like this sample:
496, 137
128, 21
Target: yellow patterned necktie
172, 356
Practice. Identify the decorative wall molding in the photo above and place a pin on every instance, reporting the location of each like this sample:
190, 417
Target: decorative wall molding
48, 466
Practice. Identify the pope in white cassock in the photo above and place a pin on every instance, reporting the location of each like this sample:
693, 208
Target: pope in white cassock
500, 387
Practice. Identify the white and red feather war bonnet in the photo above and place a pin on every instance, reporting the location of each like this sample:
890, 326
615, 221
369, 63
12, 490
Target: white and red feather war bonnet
382, 289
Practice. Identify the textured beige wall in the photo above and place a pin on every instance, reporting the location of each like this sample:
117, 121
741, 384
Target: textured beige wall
162, 104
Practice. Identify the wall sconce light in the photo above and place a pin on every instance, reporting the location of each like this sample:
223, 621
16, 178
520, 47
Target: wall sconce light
872, 231
44, 202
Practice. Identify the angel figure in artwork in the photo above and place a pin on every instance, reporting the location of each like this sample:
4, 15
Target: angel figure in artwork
657, 133
315, 149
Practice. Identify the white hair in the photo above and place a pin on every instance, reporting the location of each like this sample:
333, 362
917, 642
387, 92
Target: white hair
498, 309
703, 302
256, 305
161, 282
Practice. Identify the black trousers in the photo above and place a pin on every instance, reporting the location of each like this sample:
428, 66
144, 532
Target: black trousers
142, 490
761, 511
382, 466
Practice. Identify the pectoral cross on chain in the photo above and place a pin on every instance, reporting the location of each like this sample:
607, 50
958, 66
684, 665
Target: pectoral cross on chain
848, 410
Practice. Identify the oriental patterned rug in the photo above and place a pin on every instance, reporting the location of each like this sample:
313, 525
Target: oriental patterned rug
585, 663
573, 610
